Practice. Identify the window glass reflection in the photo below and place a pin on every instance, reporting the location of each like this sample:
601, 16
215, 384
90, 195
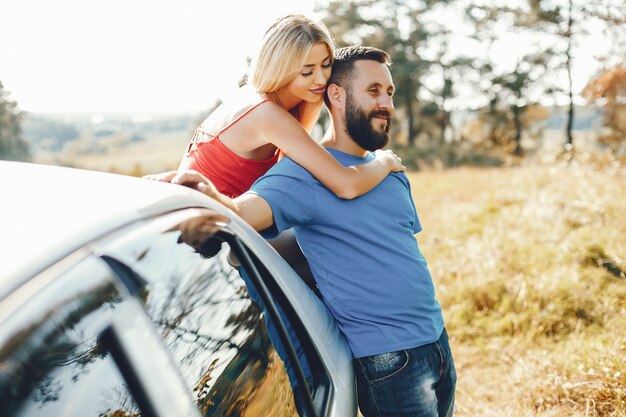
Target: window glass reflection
51, 363
217, 334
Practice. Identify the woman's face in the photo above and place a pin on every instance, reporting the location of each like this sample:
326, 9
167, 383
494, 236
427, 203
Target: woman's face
310, 83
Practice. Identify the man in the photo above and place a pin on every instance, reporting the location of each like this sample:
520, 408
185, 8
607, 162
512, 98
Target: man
362, 252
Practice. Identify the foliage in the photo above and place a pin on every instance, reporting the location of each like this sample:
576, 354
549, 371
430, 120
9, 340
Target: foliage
12, 144
511, 92
610, 87
500, 128
398, 27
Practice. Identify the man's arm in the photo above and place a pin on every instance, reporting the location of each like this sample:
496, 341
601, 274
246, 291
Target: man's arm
250, 207
255, 210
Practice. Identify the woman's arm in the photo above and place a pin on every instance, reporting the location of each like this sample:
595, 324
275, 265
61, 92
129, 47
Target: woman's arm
284, 131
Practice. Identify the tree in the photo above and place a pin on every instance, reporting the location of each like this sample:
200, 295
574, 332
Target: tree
515, 86
562, 21
509, 113
509, 93
551, 28
450, 70
610, 87
611, 14
395, 26
561, 24
12, 144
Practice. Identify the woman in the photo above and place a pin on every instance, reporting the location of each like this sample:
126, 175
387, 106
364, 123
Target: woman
245, 136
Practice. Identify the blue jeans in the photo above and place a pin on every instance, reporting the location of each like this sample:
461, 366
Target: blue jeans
417, 382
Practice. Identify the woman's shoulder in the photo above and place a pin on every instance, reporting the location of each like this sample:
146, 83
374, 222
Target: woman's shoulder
257, 108
246, 99
236, 105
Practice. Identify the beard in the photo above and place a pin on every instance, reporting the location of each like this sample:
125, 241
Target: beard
360, 128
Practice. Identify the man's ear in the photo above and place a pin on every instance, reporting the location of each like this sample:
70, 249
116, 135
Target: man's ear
336, 95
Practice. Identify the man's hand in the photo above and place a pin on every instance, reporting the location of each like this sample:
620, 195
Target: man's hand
198, 232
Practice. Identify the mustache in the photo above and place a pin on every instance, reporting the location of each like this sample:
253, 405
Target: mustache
377, 113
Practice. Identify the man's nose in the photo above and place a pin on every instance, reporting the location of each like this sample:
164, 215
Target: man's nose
385, 102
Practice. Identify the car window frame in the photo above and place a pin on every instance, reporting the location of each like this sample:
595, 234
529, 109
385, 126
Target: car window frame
318, 402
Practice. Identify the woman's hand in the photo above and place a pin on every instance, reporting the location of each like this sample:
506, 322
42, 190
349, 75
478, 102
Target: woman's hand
190, 178
163, 176
194, 179
197, 181
390, 160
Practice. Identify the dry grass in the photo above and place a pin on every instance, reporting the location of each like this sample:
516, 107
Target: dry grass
529, 264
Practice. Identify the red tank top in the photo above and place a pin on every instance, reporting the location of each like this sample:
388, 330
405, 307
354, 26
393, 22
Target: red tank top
231, 174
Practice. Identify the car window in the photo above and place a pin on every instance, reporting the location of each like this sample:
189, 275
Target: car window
202, 307
51, 360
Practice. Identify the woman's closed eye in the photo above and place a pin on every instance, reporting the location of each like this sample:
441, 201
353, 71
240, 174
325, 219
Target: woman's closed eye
324, 67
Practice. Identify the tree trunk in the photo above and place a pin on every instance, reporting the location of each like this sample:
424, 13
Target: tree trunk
518, 130
570, 114
408, 97
443, 124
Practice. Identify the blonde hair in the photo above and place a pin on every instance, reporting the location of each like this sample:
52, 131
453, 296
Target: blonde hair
284, 49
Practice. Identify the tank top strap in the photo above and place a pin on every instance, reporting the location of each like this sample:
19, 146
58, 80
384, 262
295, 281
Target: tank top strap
241, 116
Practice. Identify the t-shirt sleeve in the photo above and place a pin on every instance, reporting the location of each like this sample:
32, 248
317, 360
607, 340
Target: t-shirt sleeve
292, 199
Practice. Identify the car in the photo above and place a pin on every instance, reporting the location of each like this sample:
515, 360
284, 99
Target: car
108, 309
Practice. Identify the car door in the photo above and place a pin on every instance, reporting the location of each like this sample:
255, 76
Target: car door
242, 347
73, 342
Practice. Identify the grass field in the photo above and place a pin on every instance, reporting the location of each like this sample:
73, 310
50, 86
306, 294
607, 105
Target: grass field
529, 265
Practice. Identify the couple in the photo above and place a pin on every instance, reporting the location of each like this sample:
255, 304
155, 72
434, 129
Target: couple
362, 251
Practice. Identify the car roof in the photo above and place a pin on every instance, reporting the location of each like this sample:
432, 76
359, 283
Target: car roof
48, 212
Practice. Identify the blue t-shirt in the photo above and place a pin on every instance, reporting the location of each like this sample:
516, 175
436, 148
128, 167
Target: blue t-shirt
363, 255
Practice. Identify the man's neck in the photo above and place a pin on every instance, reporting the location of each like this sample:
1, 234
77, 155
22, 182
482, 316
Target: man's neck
340, 140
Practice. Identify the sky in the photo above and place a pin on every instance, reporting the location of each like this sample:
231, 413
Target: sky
130, 55
150, 56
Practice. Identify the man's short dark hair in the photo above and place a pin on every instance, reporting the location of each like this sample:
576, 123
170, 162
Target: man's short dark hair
345, 59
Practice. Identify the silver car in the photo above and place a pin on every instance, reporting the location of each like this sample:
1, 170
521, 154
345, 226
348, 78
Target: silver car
117, 298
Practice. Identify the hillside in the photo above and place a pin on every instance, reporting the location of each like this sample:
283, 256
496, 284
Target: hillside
129, 143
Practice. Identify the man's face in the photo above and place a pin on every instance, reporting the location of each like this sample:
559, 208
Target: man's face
369, 105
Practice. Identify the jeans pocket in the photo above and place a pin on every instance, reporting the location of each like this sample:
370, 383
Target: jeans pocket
379, 367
